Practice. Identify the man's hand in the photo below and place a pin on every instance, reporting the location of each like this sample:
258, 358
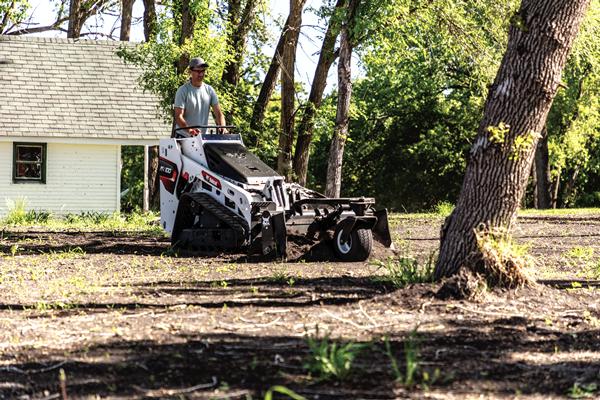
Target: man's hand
222, 131
193, 132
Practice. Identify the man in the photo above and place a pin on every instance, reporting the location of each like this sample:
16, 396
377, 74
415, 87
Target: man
194, 99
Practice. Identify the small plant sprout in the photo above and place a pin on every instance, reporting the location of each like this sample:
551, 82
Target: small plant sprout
329, 359
583, 391
413, 373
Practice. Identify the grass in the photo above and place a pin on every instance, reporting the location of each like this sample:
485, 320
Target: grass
413, 372
330, 360
90, 221
406, 270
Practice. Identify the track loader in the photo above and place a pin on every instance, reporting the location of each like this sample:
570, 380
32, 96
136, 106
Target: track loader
217, 196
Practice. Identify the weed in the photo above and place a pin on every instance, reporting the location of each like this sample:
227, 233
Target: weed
71, 252
16, 211
405, 270
581, 391
503, 262
580, 252
282, 390
412, 368
329, 359
443, 209
280, 276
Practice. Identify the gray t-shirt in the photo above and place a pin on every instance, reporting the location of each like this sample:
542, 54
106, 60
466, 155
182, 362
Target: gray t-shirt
196, 102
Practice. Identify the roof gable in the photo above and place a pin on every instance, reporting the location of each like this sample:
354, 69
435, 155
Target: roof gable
73, 88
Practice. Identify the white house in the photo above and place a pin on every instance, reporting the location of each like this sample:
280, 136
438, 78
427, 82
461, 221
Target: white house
66, 108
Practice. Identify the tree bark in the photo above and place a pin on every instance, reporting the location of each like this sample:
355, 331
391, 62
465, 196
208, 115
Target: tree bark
542, 172
540, 39
126, 14
266, 90
306, 127
187, 32
288, 90
153, 179
336, 150
149, 20
75, 20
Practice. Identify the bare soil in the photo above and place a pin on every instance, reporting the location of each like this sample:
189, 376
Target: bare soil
117, 315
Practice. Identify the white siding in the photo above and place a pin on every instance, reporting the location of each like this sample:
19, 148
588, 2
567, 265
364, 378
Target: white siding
79, 177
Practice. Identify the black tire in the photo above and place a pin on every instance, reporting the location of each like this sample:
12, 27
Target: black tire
358, 246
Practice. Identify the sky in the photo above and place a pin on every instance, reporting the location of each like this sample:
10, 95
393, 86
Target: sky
306, 57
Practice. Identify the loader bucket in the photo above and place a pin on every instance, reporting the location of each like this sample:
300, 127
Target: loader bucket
382, 228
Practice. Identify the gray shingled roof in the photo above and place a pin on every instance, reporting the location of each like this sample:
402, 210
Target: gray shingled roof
68, 88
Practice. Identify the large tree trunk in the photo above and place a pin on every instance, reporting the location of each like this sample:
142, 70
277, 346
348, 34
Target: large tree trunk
542, 172
306, 127
336, 150
188, 19
240, 22
126, 14
149, 20
288, 90
75, 20
266, 90
540, 39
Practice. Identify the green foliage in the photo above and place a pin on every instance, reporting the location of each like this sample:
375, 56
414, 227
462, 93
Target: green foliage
582, 391
158, 58
403, 271
16, 212
573, 124
132, 178
443, 208
12, 13
88, 220
421, 100
330, 359
19, 215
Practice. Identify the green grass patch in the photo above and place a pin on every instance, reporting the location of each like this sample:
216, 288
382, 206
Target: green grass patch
406, 270
18, 217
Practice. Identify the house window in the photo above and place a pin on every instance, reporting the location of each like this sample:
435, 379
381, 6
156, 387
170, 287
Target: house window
29, 163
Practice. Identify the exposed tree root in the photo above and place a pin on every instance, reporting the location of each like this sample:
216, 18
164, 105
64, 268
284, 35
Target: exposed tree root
497, 263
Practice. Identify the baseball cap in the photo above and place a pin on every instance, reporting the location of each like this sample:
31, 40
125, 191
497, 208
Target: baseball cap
197, 63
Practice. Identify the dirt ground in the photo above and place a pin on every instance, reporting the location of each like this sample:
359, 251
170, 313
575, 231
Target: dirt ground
117, 315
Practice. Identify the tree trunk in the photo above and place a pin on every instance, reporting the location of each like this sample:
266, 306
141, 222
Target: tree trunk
515, 112
542, 172
266, 90
126, 13
149, 20
555, 189
153, 179
288, 90
239, 23
75, 22
336, 150
305, 129
187, 32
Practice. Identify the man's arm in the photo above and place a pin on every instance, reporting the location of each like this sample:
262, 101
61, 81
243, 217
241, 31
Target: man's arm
181, 122
219, 116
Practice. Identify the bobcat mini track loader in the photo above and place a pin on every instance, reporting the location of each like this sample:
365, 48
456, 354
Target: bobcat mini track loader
215, 195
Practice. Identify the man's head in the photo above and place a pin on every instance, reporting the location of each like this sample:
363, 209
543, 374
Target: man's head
197, 62
197, 68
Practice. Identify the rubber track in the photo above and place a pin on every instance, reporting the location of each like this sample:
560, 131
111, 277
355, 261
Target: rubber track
232, 220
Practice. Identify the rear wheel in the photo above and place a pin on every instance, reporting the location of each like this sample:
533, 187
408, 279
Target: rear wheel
356, 246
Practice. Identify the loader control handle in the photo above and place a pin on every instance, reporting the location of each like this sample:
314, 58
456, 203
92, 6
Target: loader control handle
204, 129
